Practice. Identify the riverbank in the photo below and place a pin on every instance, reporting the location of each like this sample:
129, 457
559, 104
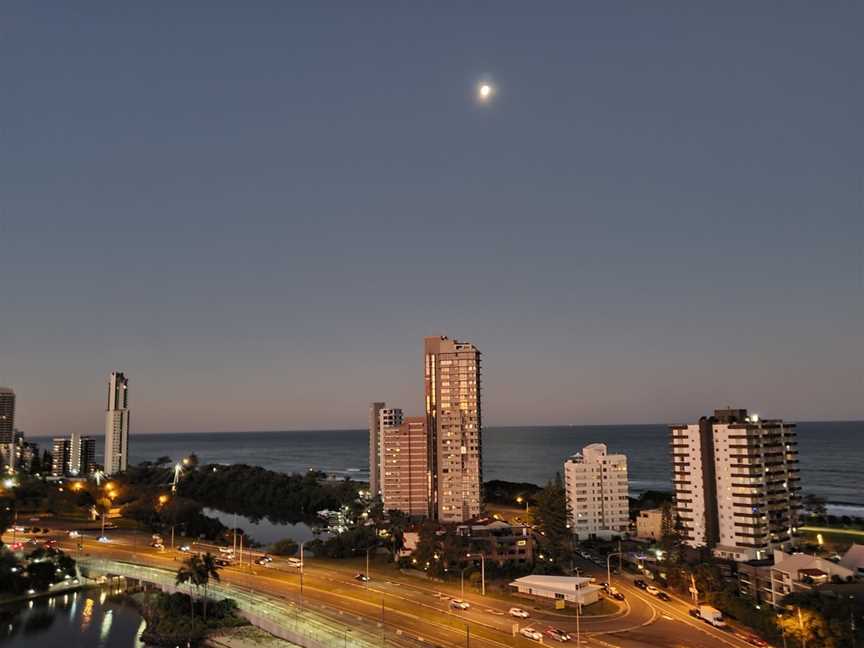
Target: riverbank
246, 637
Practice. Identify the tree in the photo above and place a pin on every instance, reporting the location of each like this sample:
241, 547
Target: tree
815, 505
670, 537
207, 569
284, 547
187, 574
552, 517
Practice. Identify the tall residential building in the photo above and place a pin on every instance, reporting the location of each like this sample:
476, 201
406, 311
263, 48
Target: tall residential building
453, 421
82, 455
374, 449
597, 489
737, 484
60, 456
7, 427
404, 464
117, 424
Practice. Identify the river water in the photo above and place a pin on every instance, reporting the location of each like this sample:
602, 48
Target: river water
84, 619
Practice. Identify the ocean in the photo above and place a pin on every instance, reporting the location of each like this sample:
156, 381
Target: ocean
831, 453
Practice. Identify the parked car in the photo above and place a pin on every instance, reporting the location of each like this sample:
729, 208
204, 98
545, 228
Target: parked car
459, 604
531, 633
653, 591
519, 613
641, 584
557, 634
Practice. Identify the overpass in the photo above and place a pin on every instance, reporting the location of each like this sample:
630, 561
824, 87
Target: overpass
304, 626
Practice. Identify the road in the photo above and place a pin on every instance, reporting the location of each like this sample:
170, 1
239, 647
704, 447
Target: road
421, 608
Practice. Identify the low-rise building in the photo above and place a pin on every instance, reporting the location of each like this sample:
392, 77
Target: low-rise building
853, 559
574, 589
801, 572
649, 524
499, 541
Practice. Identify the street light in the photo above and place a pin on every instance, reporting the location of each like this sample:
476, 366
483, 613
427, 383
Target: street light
521, 499
482, 571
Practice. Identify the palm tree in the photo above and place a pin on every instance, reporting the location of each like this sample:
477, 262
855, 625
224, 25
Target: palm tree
207, 569
189, 573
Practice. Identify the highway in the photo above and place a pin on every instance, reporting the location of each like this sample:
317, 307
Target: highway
421, 609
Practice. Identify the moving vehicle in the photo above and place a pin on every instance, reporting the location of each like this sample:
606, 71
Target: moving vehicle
363, 578
519, 613
294, 562
641, 584
263, 560
103, 539
225, 561
531, 633
557, 634
663, 596
753, 640
226, 550
653, 591
74, 534
184, 548
710, 615
615, 593
459, 604
157, 545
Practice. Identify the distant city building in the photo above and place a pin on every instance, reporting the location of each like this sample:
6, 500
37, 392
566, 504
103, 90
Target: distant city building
82, 455
60, 456
117, 424
453, 421
597, 490
737, 484
7, 427
649, 524
404, 463
374, 448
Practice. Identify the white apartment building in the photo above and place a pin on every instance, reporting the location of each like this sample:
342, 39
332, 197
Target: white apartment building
597, 487
737, 484
117, 424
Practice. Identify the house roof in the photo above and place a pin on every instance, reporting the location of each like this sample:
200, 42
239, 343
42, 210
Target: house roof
854, 558
561, 583
804, 563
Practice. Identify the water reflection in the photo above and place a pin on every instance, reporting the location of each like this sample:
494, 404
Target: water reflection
67, 622
264, 531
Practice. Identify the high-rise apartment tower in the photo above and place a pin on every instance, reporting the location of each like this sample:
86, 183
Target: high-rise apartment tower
374, 449
117, 424
454, 427
597, 493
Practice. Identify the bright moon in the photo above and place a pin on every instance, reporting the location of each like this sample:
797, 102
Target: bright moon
485, 92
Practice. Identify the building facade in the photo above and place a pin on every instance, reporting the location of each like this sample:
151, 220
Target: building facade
60, 456
454, 424
374, 448
649, 524
499, 541
117, 424
597, 491
737, 484
404, 465
7, 427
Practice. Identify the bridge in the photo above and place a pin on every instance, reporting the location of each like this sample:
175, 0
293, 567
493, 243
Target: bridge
304, 626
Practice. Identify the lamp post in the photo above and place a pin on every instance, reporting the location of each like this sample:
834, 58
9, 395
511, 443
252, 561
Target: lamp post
462, 579
609, 567
301, 573
482, 571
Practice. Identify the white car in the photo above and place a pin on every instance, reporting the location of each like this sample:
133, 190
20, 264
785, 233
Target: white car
103, 539
459, 604
653, 591
185, 548
74, 534
531, 633
519, 613
226, 550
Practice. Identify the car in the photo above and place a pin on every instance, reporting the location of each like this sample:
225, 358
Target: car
363, 578
753, 640
17, 546
157, 545
262, 561
653, 591
74, 534
604, 585
50, 543
459, 604
531, 633
184, 548
226, 550
103, 539
519, 613
663, 596
695, 613
641, 584
614, 593
557, 634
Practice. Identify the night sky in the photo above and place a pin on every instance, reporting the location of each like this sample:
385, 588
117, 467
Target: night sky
258, 209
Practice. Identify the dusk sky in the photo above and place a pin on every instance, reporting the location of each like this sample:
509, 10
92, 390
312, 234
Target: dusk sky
258, 209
